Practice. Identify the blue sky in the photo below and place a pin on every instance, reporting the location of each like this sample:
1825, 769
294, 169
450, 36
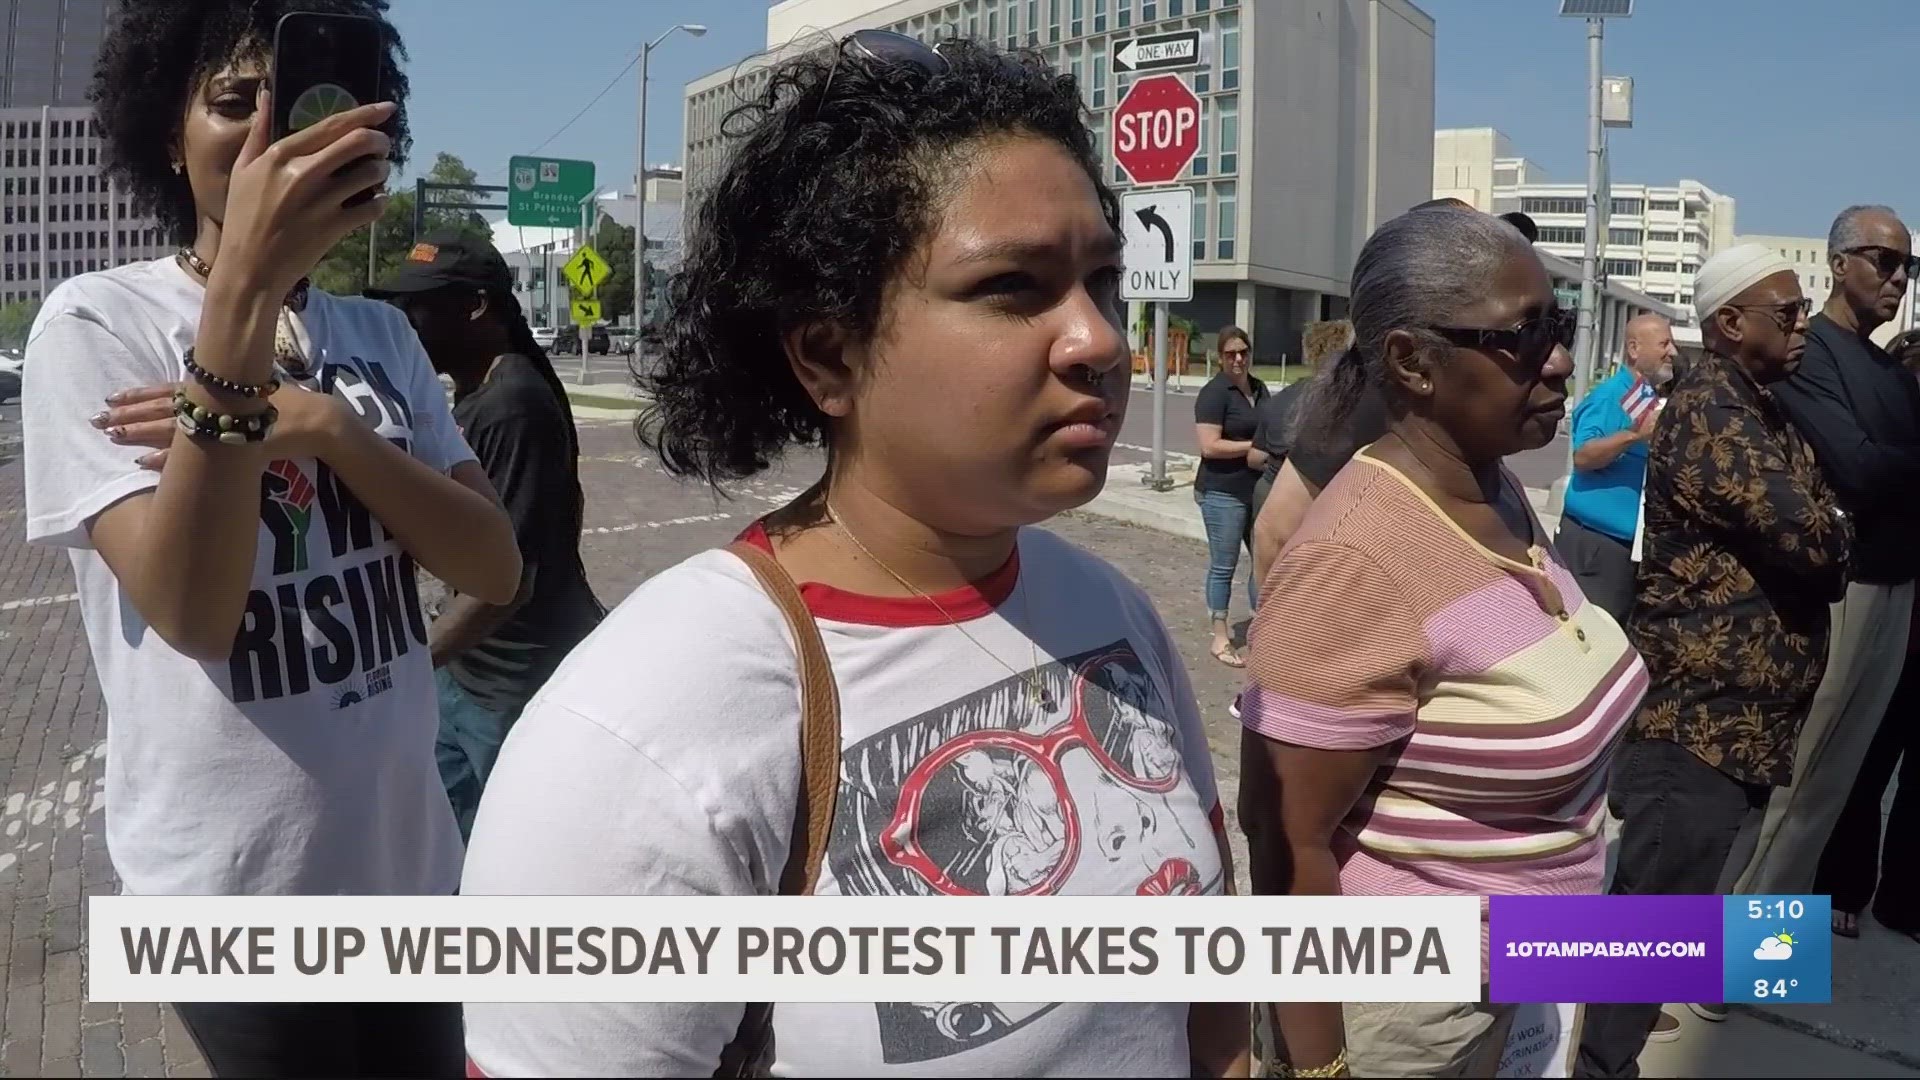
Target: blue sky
1795, 109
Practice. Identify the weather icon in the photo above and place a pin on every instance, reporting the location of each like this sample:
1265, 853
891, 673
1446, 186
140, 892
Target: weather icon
1777, 947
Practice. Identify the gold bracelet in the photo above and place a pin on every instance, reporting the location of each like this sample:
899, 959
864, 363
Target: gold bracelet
1336, 1067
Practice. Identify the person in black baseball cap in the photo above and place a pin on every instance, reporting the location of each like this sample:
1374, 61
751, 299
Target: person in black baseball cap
1524, 223
447, 260
457, 292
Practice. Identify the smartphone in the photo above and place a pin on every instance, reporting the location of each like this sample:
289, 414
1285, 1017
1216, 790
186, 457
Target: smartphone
323, 64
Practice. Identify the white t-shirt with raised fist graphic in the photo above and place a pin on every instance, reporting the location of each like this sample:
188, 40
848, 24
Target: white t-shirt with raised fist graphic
304, 763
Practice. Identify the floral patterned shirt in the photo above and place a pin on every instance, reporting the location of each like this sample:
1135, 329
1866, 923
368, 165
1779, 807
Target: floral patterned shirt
1745, 549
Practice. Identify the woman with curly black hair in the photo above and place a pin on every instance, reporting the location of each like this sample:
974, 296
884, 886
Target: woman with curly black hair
909, 259
244, 472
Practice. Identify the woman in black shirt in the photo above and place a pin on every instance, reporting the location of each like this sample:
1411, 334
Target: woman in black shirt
1226, 414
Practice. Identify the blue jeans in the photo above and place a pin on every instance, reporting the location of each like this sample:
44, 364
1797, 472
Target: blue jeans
469, 742
1229, 521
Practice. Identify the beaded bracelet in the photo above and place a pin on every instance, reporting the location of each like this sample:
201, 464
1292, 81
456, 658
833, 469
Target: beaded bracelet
1336, 1067
201, 422
208, 378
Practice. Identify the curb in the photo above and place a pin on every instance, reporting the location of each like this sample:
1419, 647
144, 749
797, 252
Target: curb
1107, 511
605, 403
614, 405
1126, 499
1825, 1034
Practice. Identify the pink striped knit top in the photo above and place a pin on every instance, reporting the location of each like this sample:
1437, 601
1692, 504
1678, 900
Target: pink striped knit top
1500, 690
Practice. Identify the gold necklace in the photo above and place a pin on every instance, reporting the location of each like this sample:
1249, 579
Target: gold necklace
1037, 691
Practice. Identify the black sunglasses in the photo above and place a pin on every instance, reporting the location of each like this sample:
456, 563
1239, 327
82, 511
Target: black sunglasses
1786, 316
898, 50
1886, 259
1531, 343
889, 47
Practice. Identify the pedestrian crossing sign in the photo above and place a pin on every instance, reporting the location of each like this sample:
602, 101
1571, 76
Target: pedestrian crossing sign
586, 272
586, 312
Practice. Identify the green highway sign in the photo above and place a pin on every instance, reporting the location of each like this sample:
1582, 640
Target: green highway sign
1569, 298
547, 192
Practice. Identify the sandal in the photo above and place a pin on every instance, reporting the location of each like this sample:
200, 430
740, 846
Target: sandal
1846, 924
1227, 656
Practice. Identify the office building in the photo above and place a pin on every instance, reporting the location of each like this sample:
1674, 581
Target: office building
58, 216
1808, 254
1317, 125
51, 47
1656, 235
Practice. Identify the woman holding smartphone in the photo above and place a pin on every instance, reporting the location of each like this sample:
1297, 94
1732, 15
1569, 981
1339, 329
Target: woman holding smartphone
245, 542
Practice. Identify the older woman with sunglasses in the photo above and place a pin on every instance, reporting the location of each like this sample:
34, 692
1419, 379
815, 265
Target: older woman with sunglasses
1433, 704
910, 258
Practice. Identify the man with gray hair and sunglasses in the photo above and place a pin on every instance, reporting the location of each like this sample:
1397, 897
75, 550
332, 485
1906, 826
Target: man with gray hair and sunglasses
1860, 411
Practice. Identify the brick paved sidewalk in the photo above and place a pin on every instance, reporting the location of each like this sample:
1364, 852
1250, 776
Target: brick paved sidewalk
52, 851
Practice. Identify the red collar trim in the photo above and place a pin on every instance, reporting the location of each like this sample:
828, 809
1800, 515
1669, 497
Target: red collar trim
963, 604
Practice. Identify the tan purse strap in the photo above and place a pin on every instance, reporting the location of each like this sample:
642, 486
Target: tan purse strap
751, 1051
819, 724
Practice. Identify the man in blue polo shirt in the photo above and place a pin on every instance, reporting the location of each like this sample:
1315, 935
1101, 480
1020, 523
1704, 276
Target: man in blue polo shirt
1610, 428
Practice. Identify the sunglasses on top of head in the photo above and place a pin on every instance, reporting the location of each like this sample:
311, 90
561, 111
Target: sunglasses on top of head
1886, 259
898, 50
1531, 343
888, 47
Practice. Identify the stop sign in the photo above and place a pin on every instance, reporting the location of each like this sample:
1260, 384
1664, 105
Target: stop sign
1156, 129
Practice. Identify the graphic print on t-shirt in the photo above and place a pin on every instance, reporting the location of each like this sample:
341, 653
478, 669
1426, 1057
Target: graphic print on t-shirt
363, 613
286, 505
996, 794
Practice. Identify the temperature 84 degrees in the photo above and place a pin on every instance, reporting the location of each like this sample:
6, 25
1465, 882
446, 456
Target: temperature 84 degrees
1157, 224
1777, 949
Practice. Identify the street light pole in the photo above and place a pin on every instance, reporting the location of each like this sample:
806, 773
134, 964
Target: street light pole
640, 182
1599, 195
1586, 338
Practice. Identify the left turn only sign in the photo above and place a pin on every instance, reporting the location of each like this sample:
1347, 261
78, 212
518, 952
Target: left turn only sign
1158, 226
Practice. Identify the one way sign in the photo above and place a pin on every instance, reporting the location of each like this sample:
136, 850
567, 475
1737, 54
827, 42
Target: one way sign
1159, 52
1158, 226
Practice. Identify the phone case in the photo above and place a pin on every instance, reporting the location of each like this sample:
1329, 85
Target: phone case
323, 64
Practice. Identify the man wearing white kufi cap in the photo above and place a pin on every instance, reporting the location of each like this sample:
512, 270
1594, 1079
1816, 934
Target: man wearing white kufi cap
1744, 549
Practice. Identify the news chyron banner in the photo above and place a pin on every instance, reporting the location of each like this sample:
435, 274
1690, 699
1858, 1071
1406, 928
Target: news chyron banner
1552, 949
783, 948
